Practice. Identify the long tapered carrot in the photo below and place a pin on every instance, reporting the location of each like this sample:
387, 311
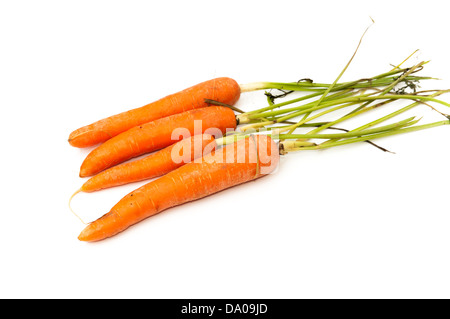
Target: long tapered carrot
155, 135
154, 165
223, 89
250, 158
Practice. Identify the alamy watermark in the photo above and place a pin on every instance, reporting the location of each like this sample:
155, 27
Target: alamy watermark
229, 154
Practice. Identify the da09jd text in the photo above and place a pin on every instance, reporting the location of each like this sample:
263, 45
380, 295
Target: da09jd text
254, 309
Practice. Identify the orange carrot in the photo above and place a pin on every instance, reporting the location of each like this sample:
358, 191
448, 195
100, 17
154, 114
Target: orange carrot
155, 135
252, 158
223, 90
154, 165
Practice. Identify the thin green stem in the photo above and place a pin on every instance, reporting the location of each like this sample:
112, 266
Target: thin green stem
374, 136
365, 105
299, 110
346, 101
359, 84
308, 112
364, 98
387, 117
352, 114
302, 107
408, 122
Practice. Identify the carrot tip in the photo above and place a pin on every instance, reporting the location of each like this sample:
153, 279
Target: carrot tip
81, 237
83, 173
87, 235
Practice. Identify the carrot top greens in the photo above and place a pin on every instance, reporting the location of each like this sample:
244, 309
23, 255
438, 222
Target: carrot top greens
359, 96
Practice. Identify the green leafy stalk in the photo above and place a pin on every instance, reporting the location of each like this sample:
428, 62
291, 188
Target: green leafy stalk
373, 136
374, 82
408, 122
359, 99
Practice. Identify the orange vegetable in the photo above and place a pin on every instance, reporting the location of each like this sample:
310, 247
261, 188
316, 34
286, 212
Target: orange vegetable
154, 165
154, 136
223, 90
253, 157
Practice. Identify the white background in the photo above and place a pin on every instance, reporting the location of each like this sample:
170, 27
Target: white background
349, 222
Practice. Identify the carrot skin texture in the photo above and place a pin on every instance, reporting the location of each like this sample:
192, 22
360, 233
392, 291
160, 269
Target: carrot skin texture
188, 183
154, 165
225, 90
154, 136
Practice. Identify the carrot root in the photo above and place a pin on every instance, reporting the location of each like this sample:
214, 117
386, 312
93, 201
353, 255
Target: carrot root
70, 206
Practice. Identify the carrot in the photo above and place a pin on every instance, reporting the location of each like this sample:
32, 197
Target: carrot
154, 165
222, 89
155, 135
252, 158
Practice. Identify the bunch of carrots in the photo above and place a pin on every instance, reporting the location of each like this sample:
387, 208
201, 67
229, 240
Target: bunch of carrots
228, 149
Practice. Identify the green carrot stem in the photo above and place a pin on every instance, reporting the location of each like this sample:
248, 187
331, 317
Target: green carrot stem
393, 84
246, 117
374, 81
407, 122
403, 76
374, 136
348, 101
387, 117
359, 84
393, 114
322, 97
305, 119
365, 105
367, 97
364, 98
302, 107
352, 114
345, 103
